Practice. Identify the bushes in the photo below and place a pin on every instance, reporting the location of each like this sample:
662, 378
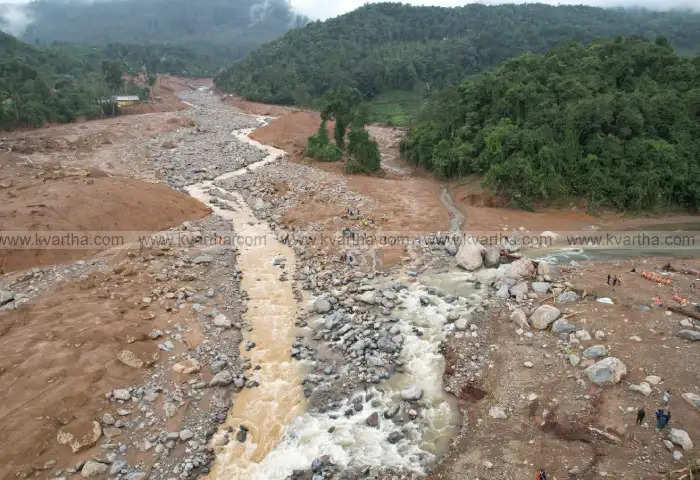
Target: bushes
320, 147
362, 152
614, 124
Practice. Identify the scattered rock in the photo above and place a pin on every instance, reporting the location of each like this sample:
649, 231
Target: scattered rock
681, 437
607, 371
222, 321
80, 435
93, 469
129, 358
498, 413
544, 316
644, 388
221, 379
373, 420
692, 335
412, 393
692, 398
470, 256
596, 351
322, 305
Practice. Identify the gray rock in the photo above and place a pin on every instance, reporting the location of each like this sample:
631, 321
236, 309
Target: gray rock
373, 420
549, 272
470, 256
540, 287
520, 269
519, 318
607, 371
221, 379
412, 393
186, 434
136, 476
203, 259
93, 469
370, 298
107, 419
394, 437
6, 297
222, 321
596, 351
681, 437
498, 413
121, 394
692, 335
568, 297
461, 324
117, 467
492, 256
574, 359
333, 320
643, 387
519, 290
544, 316
563, 326
692, 398
322, 305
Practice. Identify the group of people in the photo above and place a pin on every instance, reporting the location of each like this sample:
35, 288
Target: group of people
662, 416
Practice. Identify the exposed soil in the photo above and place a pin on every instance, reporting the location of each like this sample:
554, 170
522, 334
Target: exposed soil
551, 431
52, 198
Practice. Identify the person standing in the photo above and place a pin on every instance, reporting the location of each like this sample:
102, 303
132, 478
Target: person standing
640, 415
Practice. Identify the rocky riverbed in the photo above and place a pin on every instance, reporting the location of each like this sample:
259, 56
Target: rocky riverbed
312, 355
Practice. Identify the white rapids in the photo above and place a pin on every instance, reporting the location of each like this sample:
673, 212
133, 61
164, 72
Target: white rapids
354, 444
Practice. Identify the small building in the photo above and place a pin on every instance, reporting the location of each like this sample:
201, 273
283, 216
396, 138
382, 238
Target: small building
126, 100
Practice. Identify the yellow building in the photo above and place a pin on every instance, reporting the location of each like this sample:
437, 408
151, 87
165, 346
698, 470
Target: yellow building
126, 100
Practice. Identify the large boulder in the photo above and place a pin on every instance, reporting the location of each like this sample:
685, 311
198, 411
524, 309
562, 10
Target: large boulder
563, 326
549, 272
412, 393
692, 335
544, 316
596, 351
519, 318
470, 256
80, 435
321, 305
681, 437
492, 256
607, 371
692, 398
521, 269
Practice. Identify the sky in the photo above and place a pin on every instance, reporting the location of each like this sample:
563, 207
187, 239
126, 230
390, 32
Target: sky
12, 13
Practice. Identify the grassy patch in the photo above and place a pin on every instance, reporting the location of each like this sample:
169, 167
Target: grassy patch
395, 107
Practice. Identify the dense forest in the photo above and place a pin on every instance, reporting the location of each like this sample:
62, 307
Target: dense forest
385, 47
42, 84
616, 124
195, 38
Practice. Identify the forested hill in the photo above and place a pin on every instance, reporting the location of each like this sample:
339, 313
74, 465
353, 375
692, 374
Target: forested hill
616, 124
217, 28
387, 46
47, 84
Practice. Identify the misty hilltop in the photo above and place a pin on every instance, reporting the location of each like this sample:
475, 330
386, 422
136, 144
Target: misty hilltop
234, 27
391, 46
